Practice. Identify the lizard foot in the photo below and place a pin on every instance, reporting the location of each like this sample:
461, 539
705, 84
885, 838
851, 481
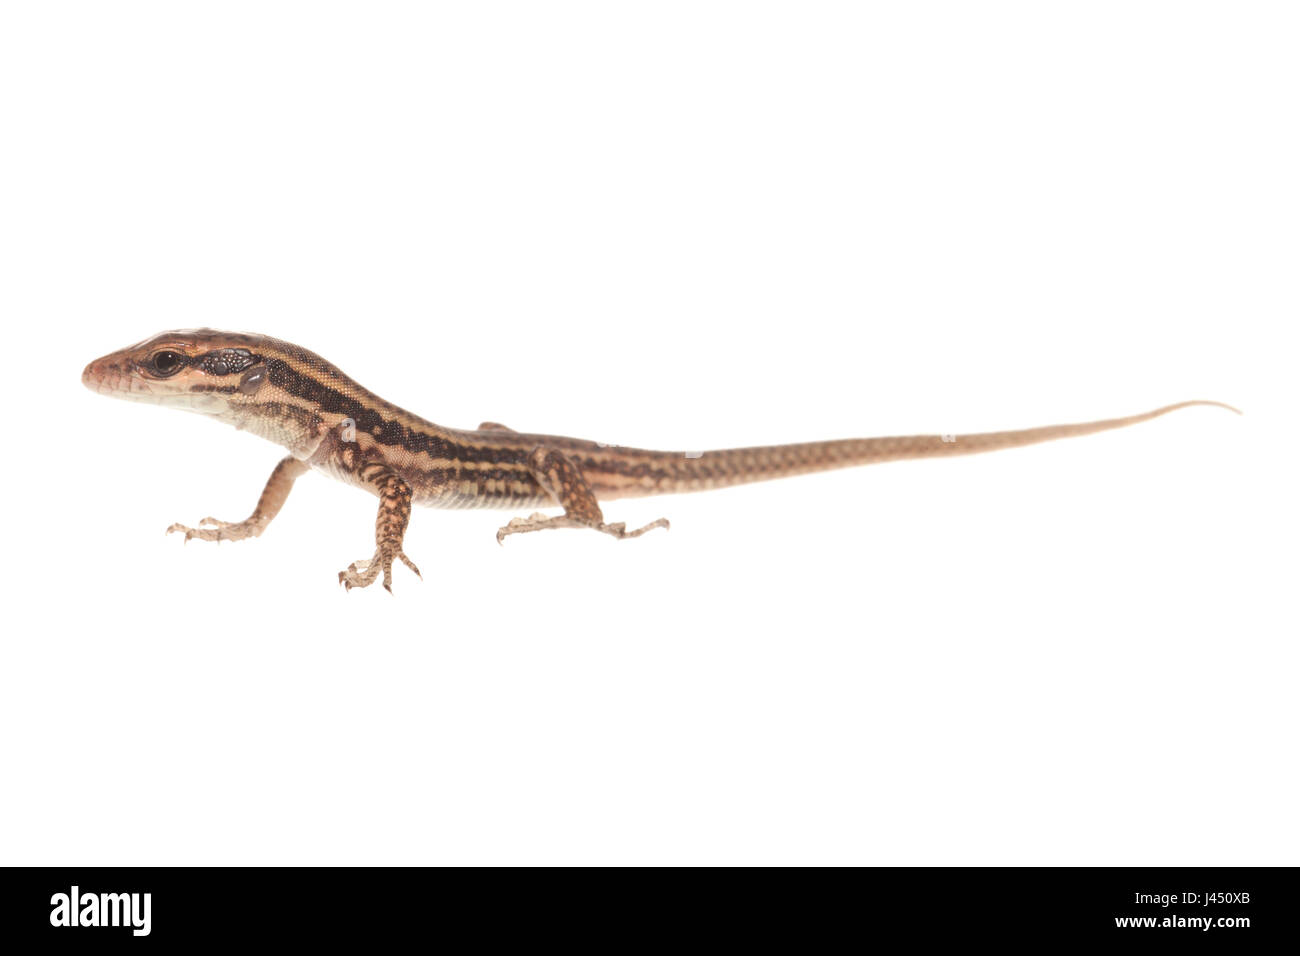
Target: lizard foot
540, 522
217, 530
361, 574
619, 529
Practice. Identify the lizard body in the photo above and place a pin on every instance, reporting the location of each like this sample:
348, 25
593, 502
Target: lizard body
330, 423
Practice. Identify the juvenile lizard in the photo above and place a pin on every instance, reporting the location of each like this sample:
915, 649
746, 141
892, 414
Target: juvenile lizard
328, 422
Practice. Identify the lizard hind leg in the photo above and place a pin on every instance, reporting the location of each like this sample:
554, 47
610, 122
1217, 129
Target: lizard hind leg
390, 529
563, 481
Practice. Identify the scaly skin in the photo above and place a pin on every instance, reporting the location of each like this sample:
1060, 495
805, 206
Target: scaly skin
330, 423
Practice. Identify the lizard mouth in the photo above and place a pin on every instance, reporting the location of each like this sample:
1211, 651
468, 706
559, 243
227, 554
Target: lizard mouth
106, 377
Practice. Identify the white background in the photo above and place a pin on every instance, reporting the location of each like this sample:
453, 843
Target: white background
683, 225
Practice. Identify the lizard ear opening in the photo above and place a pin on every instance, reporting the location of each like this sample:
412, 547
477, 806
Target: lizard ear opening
252, 379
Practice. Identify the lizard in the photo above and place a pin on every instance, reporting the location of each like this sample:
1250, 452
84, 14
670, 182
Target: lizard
331, 424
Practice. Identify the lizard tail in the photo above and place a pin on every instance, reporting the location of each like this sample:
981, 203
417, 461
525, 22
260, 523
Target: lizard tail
634, 473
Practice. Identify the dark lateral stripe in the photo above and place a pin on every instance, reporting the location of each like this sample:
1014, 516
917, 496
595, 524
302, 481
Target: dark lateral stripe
321, 385
327, 398
415, 435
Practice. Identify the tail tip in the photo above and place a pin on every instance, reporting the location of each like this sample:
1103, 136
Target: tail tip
1232, 408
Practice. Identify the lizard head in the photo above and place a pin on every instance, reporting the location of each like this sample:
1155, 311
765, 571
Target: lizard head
271, 388
199, 370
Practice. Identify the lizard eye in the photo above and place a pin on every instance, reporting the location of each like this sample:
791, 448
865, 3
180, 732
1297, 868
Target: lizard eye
166, 363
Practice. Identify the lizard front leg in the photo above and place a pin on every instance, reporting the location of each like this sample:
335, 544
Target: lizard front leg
390, 528
273, 497
564, 482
